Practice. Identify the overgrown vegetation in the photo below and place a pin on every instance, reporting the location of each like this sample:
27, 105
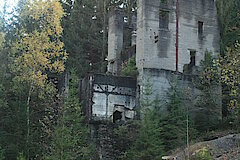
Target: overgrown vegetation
130, 69
228, 13
174, 125
209, 102
39, 121
148, 144
202, 154
160, 132
70, 135
228, 63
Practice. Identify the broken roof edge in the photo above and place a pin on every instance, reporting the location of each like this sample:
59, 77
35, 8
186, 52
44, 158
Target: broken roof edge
119, 81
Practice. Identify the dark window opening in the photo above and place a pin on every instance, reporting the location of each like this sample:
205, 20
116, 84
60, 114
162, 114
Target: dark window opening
117, 116
191, 67
164, 1
200, 27
155, 38
163, 19
192, 58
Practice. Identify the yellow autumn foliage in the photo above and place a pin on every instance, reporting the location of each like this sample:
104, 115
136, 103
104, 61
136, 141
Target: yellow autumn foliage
230, 73
40, 52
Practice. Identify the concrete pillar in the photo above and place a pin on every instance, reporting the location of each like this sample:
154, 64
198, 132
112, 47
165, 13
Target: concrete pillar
115, 40
134, 30
134, 38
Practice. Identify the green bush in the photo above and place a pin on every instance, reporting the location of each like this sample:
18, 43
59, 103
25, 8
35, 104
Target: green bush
130, 69
21, 156
202, 154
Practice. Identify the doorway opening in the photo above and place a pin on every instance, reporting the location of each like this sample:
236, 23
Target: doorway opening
117, 116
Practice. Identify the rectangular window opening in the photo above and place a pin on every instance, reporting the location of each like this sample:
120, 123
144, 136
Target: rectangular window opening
163, 19
200, 27
192, 58
164, 1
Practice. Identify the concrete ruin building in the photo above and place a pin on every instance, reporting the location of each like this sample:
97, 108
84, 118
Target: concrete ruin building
169, 37
170, 40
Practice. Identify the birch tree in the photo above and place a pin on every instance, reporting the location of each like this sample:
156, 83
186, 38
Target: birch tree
38, 50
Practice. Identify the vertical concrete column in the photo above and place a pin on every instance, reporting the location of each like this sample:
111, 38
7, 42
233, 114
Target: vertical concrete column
115, 40
140, 37
134, 29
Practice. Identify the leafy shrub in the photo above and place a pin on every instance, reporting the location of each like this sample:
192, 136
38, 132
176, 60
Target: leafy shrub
202, 154
130, 69
21, 156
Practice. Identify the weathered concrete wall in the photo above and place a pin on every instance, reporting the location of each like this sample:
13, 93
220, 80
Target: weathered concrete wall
162, 80
102, 97
112, 94
107, 99
115, 39
156, 42
106, 94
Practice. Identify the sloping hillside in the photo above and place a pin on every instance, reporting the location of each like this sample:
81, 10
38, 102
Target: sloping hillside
224, 148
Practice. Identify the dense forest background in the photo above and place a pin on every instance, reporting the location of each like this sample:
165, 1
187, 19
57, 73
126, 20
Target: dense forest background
44, 40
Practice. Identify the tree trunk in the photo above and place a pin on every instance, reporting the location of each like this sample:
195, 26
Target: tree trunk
28, 114
104, 35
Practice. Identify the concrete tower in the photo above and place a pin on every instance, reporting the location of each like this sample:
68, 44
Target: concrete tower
115, 40
156, 37
156, 30
134, 29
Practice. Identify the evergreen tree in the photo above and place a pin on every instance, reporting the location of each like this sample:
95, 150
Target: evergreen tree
147, 93
148, 143
34, 50
130, 69
10, 131
70, 135
228, 14
174, 123
85, 32
229, 18
207, 117
229, 66
161, 130
83, 37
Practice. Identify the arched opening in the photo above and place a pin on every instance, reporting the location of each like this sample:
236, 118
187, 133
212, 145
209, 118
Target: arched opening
117, 116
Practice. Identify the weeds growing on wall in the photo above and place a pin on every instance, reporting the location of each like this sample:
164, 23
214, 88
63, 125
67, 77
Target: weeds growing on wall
130, 69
